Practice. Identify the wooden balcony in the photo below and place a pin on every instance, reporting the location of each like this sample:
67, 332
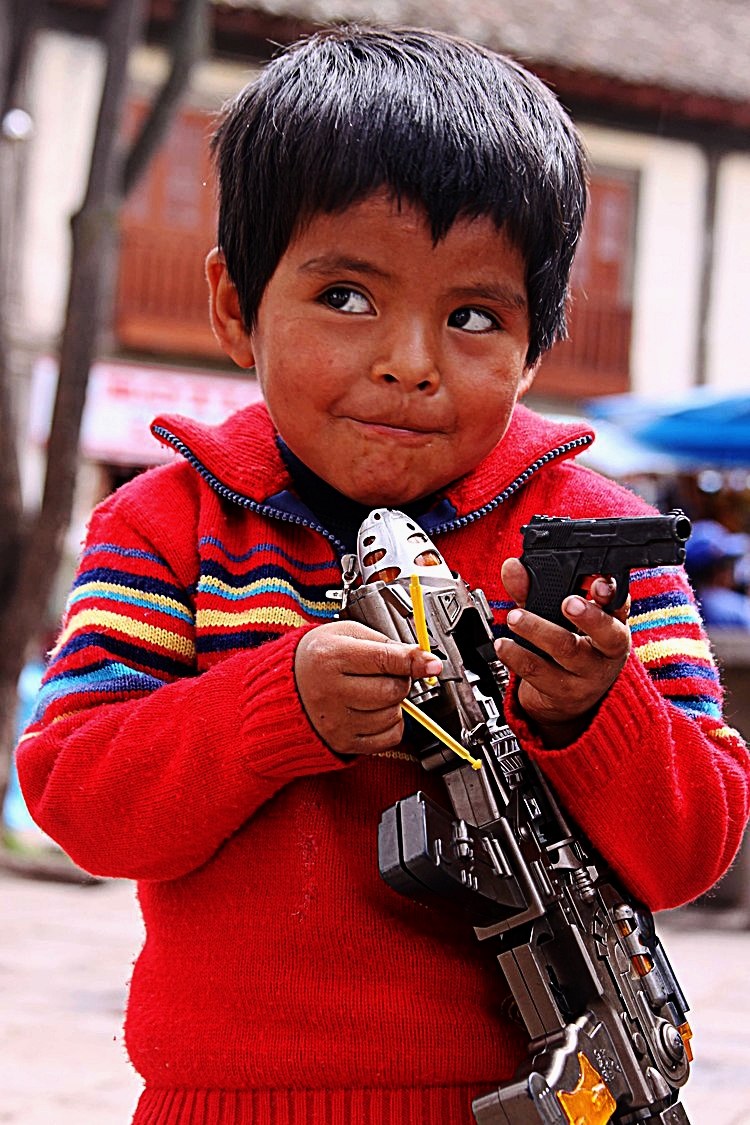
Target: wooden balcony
595, 360
162, 295
162, 307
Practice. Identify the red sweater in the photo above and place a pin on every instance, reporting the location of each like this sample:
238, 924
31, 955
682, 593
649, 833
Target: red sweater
281, 981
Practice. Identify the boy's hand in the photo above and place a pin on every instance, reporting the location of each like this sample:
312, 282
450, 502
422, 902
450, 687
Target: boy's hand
560, 697
351, 681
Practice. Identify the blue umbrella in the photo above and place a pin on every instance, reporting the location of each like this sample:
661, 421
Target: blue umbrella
702, 427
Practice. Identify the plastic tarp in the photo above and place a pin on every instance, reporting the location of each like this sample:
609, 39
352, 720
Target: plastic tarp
701, 428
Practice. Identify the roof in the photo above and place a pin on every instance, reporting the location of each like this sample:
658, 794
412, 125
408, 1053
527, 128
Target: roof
696, 46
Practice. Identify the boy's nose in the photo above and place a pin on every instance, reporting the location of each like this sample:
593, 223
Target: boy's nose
410, 359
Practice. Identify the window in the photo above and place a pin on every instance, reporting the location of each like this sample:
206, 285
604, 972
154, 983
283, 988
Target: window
168, 226
596, 358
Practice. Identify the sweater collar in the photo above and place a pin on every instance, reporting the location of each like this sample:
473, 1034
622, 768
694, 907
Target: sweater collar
241, 460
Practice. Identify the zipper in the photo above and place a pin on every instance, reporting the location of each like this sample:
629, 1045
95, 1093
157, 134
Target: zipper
513, 487
451, 525
237, 497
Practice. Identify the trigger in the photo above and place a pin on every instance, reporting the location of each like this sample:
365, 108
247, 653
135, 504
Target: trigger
622, 590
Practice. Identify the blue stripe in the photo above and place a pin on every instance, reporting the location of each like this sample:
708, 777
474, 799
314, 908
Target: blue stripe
668, 600
145, 582
679, 671
326, 613
131, 599
679, 616
246, 638
697, 707
124, 552
273, 548
128, 652
315, 591
111, 678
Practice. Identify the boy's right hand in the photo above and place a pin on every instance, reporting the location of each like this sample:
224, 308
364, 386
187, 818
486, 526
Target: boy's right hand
351, 681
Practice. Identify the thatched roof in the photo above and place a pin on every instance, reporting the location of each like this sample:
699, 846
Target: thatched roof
695, 46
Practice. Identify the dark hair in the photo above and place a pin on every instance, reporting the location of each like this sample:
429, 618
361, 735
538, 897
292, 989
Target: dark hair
442, 123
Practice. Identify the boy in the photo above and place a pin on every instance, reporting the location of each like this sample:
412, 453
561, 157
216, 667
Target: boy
398, 216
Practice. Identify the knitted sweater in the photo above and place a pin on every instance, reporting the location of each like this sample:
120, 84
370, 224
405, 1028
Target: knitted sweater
281, 981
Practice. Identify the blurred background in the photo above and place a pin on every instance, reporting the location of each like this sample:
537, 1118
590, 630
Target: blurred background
107, 209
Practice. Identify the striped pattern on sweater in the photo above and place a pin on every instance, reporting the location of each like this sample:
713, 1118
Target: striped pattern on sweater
244, 600
129, 627
669, 641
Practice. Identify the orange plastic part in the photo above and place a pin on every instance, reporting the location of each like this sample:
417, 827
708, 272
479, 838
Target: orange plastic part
591, 1103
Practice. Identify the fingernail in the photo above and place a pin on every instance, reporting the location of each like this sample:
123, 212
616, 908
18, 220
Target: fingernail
514, 617
575, 606
433, 666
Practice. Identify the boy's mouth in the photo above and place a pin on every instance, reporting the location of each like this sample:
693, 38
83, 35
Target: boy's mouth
397, 430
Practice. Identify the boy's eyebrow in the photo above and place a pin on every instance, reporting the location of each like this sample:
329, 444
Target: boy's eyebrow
509, 295
332, 263
503, 294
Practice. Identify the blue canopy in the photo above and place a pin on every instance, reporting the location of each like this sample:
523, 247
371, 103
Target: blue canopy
701, 428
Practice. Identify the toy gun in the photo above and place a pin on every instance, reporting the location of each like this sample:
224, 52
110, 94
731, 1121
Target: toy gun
605, 1015
561, 554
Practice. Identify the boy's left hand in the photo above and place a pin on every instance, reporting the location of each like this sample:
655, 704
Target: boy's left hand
560, 698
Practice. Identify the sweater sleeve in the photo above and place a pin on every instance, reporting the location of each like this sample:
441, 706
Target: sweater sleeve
658, 782
135, 764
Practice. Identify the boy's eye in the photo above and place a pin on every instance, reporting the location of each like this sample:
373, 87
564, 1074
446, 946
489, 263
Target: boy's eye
472, 320
346, 300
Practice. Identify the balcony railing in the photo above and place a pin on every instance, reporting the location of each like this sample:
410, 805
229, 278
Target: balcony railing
162, 306
596, 358
162, 295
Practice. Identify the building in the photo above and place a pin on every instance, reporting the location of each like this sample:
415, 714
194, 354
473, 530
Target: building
660, 92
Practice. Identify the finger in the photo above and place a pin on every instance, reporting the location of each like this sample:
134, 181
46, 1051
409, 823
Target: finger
400, 660
527, 665
603, 590
603, 635
605, 632
516, 580
378, 741
375, 693
361, 653
545, 635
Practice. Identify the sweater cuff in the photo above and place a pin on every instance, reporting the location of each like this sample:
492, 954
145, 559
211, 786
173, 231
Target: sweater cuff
610, 746
281, 741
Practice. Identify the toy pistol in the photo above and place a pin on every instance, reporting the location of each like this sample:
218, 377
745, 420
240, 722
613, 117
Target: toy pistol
609, 1038
560, 554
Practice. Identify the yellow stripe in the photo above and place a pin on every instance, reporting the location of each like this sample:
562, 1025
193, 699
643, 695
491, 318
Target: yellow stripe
399, 754
268, 615
726, 732
130, 626
684, 613
47, 723
680, 646
215, 585
89, 588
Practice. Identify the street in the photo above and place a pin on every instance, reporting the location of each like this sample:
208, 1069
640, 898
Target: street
65, 958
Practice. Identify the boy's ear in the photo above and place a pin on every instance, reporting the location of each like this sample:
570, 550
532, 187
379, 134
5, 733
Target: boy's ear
226, 318
529, 374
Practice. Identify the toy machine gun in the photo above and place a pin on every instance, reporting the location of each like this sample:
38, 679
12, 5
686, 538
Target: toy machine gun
606, 1017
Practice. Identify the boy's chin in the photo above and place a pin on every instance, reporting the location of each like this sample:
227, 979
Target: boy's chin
384, 499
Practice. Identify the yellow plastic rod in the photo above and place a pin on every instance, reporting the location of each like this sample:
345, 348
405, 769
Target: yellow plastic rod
420, 621
442, 735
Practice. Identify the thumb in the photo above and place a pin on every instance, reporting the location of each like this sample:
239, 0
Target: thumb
424, 664
516, 580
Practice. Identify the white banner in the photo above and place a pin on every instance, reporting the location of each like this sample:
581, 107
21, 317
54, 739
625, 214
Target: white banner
123, 399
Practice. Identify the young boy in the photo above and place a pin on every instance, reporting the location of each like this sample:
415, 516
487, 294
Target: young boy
398, 216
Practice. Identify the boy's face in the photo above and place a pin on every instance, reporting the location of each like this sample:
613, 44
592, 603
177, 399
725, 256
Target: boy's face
390, 365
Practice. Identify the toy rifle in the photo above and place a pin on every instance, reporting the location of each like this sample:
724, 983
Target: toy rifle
605, 1015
